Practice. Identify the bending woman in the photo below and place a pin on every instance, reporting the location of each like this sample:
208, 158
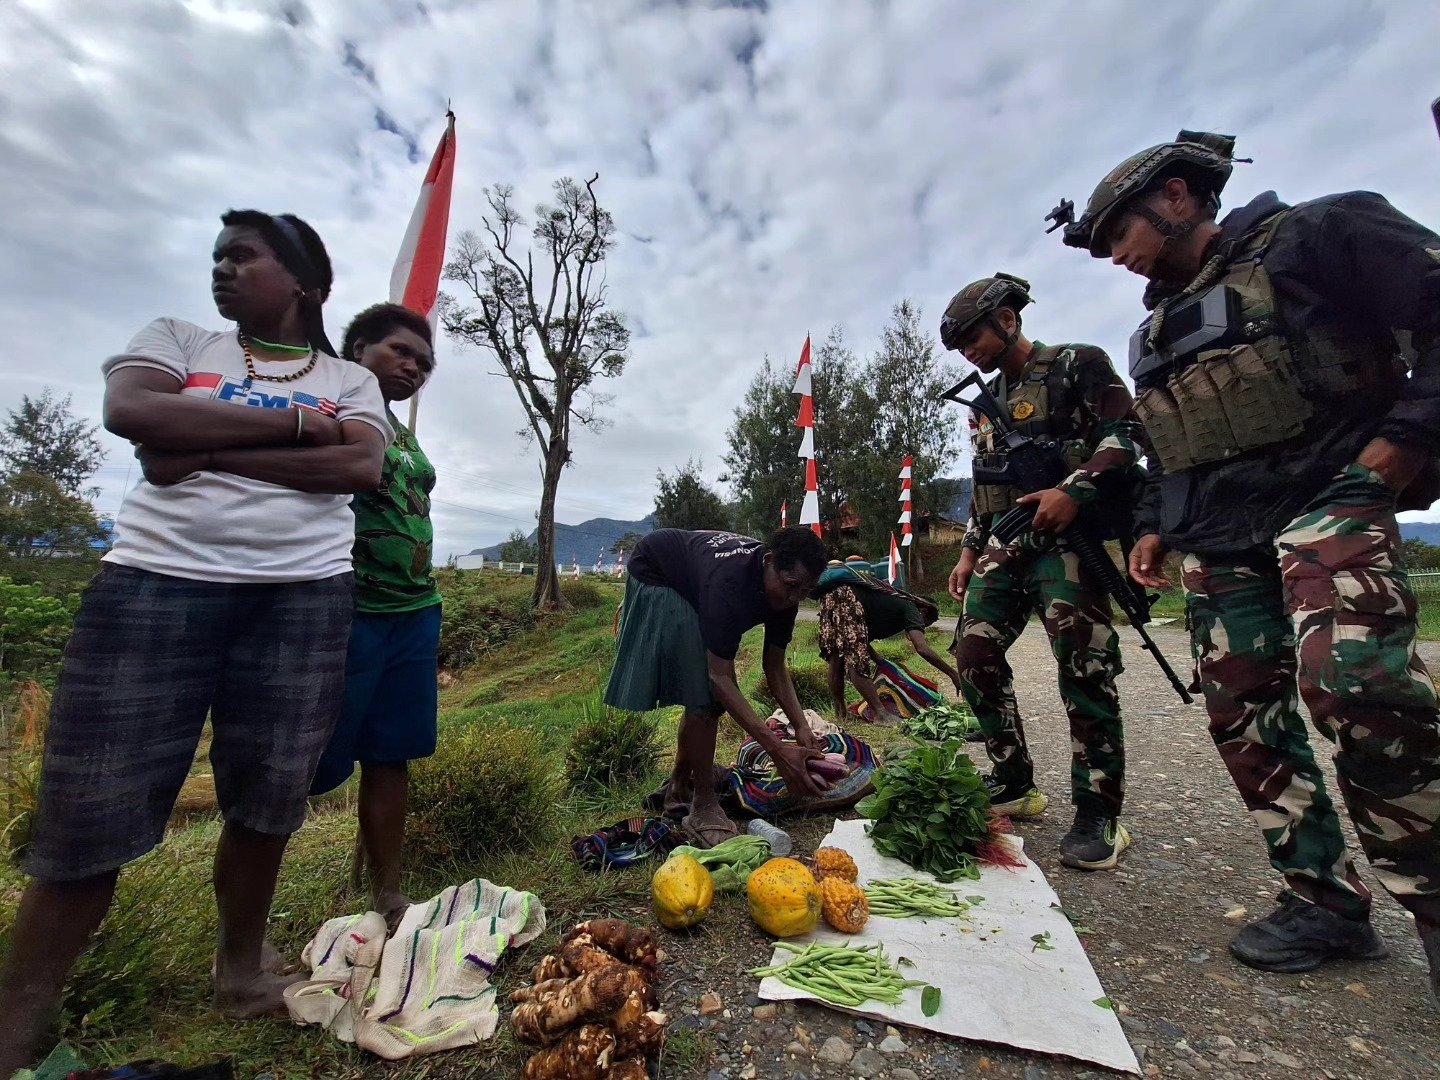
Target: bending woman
690, 599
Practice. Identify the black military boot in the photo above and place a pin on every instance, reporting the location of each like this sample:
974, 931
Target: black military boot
1096, 840
1429, 930
1299, 936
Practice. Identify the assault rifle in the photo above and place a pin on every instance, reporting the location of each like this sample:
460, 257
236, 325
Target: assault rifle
1037, 466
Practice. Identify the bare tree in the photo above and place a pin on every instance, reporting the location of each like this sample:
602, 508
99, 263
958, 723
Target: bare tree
549, 326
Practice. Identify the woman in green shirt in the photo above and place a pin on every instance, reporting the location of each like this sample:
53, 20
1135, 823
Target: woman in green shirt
389, 715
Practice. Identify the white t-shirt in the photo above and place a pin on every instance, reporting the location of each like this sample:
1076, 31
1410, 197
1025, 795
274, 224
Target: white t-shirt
215, 526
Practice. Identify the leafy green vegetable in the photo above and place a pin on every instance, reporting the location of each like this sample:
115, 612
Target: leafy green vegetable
939, 723
731, 863
930, 809
930, 1000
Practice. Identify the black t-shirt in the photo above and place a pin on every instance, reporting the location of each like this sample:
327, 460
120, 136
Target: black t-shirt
722, 576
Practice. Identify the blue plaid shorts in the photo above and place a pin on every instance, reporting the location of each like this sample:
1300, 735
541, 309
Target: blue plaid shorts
150, 658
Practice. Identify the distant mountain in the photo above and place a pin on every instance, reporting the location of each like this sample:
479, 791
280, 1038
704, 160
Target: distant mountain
582, 543
1428, 531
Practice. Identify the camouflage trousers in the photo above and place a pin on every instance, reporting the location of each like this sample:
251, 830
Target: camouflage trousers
1328, 617
1009, 583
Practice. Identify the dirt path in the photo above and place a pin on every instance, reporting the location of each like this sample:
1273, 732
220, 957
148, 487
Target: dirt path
1159, 940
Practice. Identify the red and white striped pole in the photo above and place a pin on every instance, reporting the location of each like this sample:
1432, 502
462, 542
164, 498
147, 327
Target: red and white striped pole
906, 506
810, 508
784, 514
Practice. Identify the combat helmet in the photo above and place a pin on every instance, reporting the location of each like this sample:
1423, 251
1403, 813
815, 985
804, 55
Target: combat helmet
1203, 159
979, 300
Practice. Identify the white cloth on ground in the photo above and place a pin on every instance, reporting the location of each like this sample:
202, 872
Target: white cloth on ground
427, 988
998, 983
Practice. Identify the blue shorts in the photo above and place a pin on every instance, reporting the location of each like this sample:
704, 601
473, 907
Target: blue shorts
391, 695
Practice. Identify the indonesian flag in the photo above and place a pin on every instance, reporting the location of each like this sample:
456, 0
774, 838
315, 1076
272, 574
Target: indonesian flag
784, 514
904, 515
906, 539
905, 490
894, 561
415, 281
905, 467
802, 371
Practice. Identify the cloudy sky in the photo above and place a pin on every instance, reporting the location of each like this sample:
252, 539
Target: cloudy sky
773, 168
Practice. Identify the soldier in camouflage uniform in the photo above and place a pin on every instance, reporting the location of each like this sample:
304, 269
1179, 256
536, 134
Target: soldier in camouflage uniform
1289, 418
1068, 393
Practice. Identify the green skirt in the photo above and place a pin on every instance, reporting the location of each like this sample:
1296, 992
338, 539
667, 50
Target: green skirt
660, 657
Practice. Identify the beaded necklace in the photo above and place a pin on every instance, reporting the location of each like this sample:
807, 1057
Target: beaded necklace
251, 374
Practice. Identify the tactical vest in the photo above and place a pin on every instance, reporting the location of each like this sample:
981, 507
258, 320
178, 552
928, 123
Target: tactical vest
1044, 381
1233, 379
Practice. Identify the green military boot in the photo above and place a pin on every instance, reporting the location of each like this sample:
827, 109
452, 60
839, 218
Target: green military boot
1019, 803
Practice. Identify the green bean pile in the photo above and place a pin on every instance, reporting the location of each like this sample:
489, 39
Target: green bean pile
840, 974
905, 898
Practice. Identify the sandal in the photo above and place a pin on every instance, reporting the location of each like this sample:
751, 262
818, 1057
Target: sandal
708, 834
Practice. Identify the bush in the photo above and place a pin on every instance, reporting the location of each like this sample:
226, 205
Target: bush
812, 687
490, 788
480, 614
585, 593
34, 627
612, 747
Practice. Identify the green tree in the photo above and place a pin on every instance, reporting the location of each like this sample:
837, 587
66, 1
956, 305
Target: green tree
43, 437
1420, 555
39, 520
685, 501
762, 469
517, 547
898, 395
843, 424
762, 460
549, 327
625, 545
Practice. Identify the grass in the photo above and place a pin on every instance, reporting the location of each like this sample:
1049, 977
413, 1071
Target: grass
142, 990
1429, 627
